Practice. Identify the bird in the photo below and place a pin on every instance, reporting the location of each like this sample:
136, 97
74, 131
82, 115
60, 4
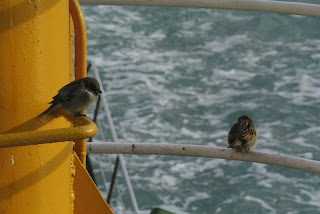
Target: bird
75, 97
242, 135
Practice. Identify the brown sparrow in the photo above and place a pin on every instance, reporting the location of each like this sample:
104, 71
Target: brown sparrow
75, 97
242, 135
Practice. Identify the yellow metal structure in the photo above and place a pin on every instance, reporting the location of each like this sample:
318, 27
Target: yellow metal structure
36, 55
80, 61
87, 196
34, 64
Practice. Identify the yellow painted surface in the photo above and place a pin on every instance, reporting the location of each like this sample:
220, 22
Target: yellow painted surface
34, 64
87, 196
80, 61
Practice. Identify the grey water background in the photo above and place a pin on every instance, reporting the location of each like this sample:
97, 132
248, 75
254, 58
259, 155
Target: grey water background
182, 75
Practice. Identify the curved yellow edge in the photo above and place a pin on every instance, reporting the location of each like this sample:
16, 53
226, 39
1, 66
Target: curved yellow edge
84, 128
80, 39
87, 198
80, 61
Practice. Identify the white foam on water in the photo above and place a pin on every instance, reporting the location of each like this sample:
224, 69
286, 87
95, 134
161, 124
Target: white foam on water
262, 203
187, 80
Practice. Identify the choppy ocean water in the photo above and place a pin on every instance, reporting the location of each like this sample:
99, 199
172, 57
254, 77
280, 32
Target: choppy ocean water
182, 75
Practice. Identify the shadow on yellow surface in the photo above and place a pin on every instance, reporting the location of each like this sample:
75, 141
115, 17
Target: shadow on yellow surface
9, 190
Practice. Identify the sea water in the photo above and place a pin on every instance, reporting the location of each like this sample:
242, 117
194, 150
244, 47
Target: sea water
182, 75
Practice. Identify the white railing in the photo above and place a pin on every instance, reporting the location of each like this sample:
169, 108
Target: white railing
252, 5
204, 151
115, 139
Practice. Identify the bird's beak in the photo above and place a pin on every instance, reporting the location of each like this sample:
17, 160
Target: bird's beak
99, 91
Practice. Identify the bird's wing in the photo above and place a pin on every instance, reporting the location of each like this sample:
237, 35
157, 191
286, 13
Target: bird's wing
233, 134
65, 93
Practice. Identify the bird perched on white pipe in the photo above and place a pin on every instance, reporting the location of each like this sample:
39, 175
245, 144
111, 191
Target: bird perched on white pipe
75, 97
242, 135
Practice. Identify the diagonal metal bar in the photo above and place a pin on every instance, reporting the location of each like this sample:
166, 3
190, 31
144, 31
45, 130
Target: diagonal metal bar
115, 139
113, 180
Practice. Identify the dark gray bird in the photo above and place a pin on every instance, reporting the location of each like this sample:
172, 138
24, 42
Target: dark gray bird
75, 97
242, 135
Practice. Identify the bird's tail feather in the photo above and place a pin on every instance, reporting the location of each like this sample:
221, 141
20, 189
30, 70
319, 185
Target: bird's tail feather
46, 111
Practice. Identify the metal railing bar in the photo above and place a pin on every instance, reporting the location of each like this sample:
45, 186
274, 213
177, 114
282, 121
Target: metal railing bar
296, 8
205, 151
115, 182
89, 166
96, 110
105, 105
104, 179
113, 179
115, 139
116, 165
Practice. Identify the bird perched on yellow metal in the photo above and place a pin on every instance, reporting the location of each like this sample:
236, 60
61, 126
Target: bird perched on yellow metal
242, 135
75, 97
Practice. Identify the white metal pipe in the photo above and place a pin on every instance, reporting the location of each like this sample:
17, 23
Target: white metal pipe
251, 5
204, 151
115, 139
110, 162
105, 105
103, 176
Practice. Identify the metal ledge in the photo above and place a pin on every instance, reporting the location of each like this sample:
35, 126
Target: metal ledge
84, 128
